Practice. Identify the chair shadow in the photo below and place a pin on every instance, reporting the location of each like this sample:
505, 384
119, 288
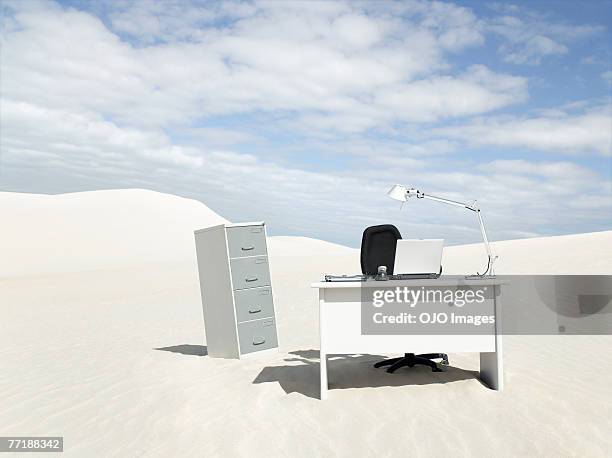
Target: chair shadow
351, 371
186, 349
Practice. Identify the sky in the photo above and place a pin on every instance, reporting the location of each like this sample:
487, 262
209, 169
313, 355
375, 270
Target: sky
303, 114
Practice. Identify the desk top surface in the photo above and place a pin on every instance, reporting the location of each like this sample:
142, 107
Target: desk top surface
442, 281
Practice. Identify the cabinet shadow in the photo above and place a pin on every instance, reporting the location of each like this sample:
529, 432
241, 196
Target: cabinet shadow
186, 349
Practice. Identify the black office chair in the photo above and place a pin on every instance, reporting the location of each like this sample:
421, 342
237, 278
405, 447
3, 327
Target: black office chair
378, 249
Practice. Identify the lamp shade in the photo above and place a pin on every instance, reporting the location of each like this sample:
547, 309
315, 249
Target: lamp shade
398, 192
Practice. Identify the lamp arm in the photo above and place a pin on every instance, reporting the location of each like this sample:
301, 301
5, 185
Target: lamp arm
422, 195
491, 258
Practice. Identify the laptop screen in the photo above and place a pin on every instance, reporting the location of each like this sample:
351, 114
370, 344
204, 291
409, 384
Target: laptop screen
421, 256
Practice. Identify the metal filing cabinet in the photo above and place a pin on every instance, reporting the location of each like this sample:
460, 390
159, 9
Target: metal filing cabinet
236, 289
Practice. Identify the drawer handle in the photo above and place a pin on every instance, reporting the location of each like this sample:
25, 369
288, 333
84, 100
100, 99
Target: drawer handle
255, 311
247, 248
251, 279
259, 342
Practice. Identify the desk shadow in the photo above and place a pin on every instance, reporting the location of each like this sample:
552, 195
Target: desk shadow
186, 349
351, 371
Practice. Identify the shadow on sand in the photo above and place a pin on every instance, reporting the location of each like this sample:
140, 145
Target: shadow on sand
186, 349
355, 371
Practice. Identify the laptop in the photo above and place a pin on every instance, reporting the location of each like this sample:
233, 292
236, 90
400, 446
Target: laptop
421, 257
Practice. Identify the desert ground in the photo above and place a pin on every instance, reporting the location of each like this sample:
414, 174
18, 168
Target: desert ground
102, 341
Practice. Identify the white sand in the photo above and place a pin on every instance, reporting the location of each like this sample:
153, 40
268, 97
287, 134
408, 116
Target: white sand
92, 230
583, 254
80, 354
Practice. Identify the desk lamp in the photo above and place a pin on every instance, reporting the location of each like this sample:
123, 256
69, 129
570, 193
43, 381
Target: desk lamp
399, 192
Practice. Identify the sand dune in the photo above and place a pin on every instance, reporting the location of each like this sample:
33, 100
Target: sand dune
305, 246
115, 359
584, 254
43, 234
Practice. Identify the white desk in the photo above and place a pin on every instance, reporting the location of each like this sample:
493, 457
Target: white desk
340, 328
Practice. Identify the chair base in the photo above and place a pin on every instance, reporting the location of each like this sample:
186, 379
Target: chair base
410, 359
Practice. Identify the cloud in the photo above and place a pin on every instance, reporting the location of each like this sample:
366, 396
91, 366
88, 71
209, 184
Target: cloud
30, 132
293, 201
477, 90
454, 26
358, 30
326, 60
272, 109
588, 132
533, 49
573, 175
530, 37
457, 26
166, 21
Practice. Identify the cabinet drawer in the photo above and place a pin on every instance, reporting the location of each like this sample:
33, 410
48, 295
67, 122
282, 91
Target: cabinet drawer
246, 241
257, 335
252, 304
250, 272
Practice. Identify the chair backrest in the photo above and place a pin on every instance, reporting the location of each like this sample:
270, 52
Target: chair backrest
378, 248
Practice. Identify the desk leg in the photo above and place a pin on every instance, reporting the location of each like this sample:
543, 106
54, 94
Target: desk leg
492, 364
323, 376
492, 370
323, 353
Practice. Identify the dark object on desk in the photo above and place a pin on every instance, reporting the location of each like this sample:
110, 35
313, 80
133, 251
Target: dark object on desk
370, 278
382, 274
416, 276
378, 249
341, 278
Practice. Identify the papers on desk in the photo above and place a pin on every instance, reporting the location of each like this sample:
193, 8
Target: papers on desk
346, 277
